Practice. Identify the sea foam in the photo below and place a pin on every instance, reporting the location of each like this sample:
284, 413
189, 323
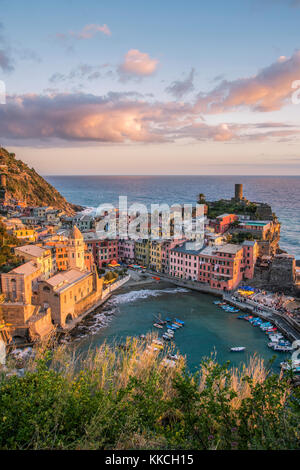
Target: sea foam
143, 294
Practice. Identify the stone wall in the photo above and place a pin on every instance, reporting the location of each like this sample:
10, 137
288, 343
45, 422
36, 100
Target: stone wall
280, 275
40, 325
282, 272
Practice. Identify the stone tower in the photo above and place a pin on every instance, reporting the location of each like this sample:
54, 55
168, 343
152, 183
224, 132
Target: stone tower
76, 250
238, 192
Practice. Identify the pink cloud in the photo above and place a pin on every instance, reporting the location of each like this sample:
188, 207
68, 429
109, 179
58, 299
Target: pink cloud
88, 32
138, 64
91, 30
117, 118
269, 90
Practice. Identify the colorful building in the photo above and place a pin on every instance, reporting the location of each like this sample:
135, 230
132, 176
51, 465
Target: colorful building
42, 257
221, 267
142, 252
184, 262
223, 222
26, 234
251, 252
155, 255
103, 251
126, 250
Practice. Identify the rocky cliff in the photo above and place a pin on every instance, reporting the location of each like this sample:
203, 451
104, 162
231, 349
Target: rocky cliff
25, 184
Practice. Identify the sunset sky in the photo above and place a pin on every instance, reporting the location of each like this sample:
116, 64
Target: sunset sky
157, 87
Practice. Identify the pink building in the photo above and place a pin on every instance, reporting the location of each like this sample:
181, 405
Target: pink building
184, 263
126, 251
221, 267
166, 248
250, 254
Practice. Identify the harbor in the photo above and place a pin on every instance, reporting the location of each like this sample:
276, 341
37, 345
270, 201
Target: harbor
208, 330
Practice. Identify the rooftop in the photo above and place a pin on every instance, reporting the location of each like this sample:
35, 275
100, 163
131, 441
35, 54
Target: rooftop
215, 250
183, 249
63, 280
32, 250
260, 223
249, 243
26, 269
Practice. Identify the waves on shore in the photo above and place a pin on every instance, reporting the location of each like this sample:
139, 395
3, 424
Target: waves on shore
102, 319
143, 294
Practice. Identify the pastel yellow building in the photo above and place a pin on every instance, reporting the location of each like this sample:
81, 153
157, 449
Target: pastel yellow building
42, 257
142, 252
26, 234
155, 261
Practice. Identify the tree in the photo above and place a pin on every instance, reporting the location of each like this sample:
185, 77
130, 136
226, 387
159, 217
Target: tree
201, 198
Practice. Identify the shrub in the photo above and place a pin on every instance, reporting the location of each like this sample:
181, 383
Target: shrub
127, 399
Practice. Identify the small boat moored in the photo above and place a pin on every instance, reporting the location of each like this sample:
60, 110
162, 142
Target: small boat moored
238, 349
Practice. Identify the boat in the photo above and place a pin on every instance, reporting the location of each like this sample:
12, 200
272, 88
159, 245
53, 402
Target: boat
178, 324
238, 349
168, 320
179, 321
166, 337
170, 330
175, 326
217, 302
291, 365
173, 357
279, 347
157, 325
157, 341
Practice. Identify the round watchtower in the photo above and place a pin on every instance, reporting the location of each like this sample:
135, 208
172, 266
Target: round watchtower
238, 192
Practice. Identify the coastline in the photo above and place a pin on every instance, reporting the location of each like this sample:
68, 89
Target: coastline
90, 319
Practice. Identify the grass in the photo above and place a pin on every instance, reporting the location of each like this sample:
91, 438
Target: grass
128, 399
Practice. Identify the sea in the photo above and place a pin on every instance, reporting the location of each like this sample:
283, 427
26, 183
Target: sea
281, 192
208, 329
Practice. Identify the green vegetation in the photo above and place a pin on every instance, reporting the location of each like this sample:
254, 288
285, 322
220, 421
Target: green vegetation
240, 237
111, 275
24, 183
8, 260
217, 208
127, 399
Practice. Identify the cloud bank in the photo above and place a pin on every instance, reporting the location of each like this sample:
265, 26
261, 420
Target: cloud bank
269, 90
117, 118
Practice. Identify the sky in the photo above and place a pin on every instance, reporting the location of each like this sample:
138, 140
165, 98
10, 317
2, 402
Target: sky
172, 87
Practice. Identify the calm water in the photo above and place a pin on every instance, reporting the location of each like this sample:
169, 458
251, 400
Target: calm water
207, 327
283, 193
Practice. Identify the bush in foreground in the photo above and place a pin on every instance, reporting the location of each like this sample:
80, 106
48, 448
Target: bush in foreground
127, 399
